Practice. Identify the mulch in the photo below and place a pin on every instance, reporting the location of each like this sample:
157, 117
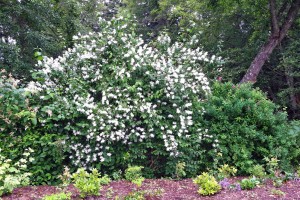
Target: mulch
164, 189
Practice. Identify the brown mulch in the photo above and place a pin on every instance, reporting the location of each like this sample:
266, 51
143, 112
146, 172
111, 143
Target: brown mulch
164, 189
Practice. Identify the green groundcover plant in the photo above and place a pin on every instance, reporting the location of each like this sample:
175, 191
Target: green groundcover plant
58, 196
13, 175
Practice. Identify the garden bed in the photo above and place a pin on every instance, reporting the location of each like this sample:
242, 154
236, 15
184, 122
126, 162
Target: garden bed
165, 189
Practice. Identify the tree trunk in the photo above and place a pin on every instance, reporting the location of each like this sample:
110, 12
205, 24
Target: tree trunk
260, 60
277, 35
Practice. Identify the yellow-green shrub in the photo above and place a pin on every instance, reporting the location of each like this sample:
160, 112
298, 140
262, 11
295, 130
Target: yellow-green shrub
207, 184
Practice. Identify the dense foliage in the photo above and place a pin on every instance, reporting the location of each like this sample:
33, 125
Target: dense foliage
19, 131
207, 184
108, 98
120, 101
13, 174
248, 126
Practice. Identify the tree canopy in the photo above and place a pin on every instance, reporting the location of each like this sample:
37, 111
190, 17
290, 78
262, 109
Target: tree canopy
256, 39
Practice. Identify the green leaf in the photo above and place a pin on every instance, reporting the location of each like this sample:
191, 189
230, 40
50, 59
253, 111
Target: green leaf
34, 121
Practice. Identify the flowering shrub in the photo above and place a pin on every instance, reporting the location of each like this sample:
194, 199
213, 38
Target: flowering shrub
13, 175
122, 101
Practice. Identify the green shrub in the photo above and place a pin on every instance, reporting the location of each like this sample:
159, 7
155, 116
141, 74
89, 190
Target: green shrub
258, 171
48, 156
21, 128
207, 184
225, 171
87, 183
13, 175
105, 180
248, 184
180, 170
293, 135
58, 196
16, 114
117, 175
134, 174
246, 125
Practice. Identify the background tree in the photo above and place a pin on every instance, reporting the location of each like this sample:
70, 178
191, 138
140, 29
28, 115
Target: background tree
242, 32
47, 26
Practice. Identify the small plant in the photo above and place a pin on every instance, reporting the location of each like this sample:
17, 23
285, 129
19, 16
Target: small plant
134, 174
180, 170
154, 192
65, 177
258, 171
225, 171
272, 166
105, 180
224, 183
12, 175
277, 192
277, 182
109, 193
248, 184
298, 171
207, 184
58, 196
135, 195
289, 176
238, 187
138, 181
117, 175
87, 184
273, 169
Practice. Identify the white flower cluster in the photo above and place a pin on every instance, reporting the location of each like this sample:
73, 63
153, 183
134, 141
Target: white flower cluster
8, 40
125, 91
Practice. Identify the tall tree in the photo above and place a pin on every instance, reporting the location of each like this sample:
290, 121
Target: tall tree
280, 24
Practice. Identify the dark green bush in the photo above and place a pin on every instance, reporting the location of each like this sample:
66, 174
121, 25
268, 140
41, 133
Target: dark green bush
15, 113
48, 156
247, 125
294, 136
20, 129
